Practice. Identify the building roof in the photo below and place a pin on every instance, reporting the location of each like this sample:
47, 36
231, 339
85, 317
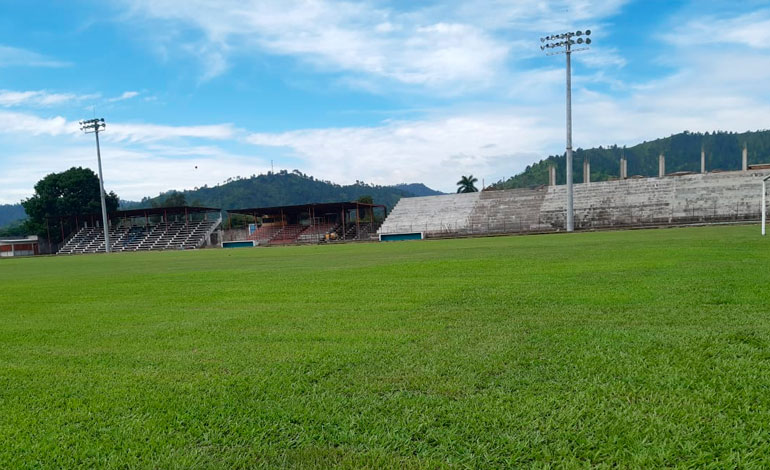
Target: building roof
148, 211
14, 240
296, 208
164, 210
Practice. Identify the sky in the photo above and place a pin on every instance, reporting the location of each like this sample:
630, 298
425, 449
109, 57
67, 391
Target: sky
195, 92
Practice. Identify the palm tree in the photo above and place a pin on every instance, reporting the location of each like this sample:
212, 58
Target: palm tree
466, 184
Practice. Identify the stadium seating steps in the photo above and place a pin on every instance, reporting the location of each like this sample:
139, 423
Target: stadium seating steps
163, 236
669, 200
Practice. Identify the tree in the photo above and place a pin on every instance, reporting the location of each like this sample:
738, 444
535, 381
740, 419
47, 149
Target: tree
68, 194
466, 184
365, 199
172, 199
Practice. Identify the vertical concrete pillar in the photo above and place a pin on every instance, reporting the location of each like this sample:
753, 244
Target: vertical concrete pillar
745, 164
702, 160
586, 171
661, 166
551, 175
623, 167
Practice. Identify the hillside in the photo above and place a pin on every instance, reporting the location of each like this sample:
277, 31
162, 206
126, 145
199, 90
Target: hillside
682, 151
10, 213
418, 189
286, 188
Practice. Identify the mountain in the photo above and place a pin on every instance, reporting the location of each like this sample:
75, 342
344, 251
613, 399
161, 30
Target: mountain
10, 213
418, 189
682, 151
283, 188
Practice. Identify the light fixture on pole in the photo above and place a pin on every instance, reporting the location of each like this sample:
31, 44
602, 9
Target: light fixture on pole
94, 126
562, 44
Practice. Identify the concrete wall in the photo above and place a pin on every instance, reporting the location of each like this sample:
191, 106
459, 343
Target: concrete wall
667, 200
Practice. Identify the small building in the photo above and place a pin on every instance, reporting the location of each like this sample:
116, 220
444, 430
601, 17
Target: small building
27, 246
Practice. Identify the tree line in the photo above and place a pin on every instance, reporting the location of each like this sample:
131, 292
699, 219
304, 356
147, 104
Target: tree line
682, 152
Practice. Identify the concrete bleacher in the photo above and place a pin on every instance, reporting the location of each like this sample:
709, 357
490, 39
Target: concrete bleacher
163, 236
515, 210
288, 234
316, 233
668, 200
448, 214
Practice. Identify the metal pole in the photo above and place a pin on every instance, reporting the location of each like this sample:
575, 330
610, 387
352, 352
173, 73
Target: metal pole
570, 208
764, 210
101, 193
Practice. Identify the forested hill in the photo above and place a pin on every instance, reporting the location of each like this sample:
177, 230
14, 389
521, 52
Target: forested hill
10, 213
418, 189
682, 151
286, 188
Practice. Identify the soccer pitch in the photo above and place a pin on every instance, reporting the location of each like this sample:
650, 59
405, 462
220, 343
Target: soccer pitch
611, 349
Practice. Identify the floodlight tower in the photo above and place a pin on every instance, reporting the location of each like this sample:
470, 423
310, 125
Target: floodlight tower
94, 126
562, 44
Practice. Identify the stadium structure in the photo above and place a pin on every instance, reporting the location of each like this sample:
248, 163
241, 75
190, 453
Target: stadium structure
313, 223
681, 198
669, 199
167, 228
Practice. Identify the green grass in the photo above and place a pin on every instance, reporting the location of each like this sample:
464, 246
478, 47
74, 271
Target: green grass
632, 349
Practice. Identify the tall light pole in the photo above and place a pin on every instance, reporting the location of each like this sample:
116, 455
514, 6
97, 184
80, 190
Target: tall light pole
94, 126
764, 204
562, 44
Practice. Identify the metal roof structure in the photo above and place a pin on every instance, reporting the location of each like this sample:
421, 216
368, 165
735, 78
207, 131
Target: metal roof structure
319, 207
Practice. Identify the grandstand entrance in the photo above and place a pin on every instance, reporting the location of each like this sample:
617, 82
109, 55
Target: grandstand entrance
161, 228
314, 223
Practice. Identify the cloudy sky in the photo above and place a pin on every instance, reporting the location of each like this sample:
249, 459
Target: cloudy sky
384, 92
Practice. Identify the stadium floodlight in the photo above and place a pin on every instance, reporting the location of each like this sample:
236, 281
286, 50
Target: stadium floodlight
94, 126
764, 203
568, 50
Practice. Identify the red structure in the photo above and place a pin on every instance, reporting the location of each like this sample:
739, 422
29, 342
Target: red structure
12, 247
314, 223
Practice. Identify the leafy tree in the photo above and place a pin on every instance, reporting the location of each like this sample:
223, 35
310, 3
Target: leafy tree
171, 199
16, 229
365, 199
467, 184
71, 193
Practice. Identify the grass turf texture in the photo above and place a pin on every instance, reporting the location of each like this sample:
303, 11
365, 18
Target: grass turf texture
631, 349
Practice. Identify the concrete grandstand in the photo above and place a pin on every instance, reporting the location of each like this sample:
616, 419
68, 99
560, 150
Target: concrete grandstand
677, 199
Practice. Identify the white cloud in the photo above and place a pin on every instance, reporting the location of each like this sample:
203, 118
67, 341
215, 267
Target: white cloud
27, 123
131, 173
441, 46
749, 30
17, 57
431, 151
40, 98
30, 124
127, 95
143, 133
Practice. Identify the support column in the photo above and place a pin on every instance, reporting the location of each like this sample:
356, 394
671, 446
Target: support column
661, 166
745, 165
586, 171
623, 168
702, 160
551, 175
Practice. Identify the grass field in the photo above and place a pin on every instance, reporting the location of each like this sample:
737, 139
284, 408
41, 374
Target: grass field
617, 349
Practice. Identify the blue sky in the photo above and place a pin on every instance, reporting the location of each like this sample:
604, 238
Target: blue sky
384, 92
